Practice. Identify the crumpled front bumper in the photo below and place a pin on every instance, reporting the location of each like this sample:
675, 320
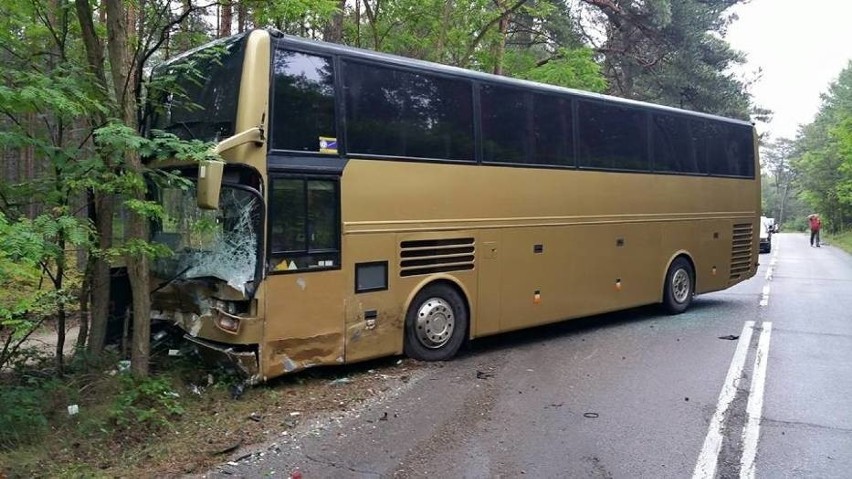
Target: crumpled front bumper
245, 361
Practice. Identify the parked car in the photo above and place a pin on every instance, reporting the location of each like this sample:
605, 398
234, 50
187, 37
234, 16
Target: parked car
773, 226
766, 229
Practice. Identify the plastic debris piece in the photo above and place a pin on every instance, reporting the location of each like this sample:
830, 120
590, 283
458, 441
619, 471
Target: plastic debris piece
73, 410
730, 337
237, 390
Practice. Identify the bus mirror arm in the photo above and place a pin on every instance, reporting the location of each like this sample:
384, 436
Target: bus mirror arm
252, 135
210, 172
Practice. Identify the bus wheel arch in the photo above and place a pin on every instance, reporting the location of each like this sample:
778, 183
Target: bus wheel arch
437, 320
679, 284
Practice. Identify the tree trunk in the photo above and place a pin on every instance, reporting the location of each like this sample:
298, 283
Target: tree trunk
104, 211
101, 204
333, 31
84, 300
122, 68
242, 17
226, 19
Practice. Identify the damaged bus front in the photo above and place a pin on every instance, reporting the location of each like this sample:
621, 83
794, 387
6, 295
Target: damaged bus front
214, 213
207, 285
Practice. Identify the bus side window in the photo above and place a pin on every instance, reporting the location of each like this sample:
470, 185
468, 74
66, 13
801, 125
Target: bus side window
304, 215
612, 136
303, 102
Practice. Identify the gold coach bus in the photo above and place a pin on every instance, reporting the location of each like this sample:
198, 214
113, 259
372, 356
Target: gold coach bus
371, 205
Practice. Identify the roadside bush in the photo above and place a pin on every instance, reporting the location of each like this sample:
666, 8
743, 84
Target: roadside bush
22, 416
145, 404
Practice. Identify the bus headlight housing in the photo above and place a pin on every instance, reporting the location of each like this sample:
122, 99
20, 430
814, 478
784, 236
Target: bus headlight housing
226, 322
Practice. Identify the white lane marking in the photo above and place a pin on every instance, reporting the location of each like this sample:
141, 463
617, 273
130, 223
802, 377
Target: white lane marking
772, 262
764, 301
755, 404
709, 457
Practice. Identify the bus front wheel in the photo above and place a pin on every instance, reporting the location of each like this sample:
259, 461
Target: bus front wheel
435, 324
680, 286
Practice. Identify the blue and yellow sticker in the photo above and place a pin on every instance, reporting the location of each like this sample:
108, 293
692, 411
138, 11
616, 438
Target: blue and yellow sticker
327, 144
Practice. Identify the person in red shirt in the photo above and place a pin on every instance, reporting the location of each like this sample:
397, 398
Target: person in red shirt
814, 223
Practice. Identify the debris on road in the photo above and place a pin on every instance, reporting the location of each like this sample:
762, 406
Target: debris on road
730, 337
483, 375
340, 382
237, 390
591, 415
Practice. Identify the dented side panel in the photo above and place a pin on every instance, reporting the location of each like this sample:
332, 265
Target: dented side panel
374, 320
304, 321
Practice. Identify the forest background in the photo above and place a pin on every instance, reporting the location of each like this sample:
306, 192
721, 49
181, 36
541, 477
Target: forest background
72, 194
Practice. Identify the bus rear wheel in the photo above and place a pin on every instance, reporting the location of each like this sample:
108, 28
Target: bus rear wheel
680, 286
436, 324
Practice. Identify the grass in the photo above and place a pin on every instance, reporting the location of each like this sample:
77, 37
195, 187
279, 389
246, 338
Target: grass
180, 421
842, 240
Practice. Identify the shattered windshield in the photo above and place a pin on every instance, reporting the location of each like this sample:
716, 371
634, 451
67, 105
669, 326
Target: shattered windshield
194, 96
219, 243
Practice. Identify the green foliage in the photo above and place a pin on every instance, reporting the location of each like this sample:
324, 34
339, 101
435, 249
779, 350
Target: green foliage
28, 249
29, 407
570, 68
22, 417
672, 52
300, 17
145, 403
823, 156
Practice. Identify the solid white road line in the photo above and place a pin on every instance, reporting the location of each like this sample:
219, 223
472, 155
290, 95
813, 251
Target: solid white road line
755, 404
764, 301
709, 457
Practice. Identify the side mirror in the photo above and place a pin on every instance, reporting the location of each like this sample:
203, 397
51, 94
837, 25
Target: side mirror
210, 184
210, 172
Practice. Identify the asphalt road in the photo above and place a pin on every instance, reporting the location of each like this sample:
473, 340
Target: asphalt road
629, 395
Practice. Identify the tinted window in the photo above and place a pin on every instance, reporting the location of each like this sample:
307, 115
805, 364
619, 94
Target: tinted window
740, 149
507, 125
303, 104
612, 136
730, 150
520, 127
553, 133
398, 113
675, 147
303, 224
195, 96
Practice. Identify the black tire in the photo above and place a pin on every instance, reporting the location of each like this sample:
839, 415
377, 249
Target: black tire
680, 286
435, 324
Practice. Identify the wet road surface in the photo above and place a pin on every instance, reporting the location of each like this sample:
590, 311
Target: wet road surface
754, 381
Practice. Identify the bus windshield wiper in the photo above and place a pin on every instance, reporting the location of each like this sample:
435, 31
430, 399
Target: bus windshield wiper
172, 279
186, 126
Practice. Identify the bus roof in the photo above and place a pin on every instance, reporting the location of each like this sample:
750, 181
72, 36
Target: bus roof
386, 58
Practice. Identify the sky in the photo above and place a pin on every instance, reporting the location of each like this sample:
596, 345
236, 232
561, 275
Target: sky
801, 46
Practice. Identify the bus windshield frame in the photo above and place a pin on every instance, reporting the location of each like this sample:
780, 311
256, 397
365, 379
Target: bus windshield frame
192, 95
225, 244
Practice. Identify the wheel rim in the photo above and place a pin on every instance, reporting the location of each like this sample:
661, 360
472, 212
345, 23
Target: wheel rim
435, 323
680, 285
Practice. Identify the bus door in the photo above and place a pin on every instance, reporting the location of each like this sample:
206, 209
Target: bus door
304, 313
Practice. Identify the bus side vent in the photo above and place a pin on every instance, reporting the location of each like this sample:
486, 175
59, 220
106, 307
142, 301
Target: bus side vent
436, 256
741, 259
